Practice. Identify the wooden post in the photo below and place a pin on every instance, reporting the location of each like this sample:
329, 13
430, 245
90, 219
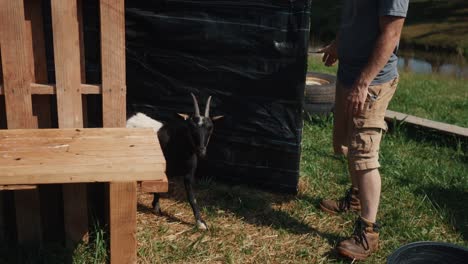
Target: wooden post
69, 107
49, 194
17, 89
122, 196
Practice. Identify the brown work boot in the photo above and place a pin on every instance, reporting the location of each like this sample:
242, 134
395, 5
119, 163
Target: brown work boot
350, 202
363, 242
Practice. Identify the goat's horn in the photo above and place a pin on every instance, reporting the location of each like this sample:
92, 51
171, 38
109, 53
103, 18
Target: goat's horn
195, 104
207, 108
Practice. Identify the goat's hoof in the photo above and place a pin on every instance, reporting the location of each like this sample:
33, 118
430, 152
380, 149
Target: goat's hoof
201, 225
157, 211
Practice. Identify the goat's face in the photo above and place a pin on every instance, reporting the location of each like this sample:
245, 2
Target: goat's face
200, 127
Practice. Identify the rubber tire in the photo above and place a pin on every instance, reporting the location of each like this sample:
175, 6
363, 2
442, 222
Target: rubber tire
323, 93
320, 98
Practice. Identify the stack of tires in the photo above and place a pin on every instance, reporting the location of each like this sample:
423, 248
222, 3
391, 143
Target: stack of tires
319, 93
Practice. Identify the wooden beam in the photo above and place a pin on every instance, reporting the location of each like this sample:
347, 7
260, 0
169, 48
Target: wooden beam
67, 63
17, 187
122, 221
16, 48
113, 62
15, 65
50, 89
161, 186
426, 123
69, 107
122, 196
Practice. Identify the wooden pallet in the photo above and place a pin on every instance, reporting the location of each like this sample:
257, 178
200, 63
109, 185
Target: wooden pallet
25, 103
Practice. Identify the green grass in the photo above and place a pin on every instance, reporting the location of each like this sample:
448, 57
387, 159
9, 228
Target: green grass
424, 194
428, 96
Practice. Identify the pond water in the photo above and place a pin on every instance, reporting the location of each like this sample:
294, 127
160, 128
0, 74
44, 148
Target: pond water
447, 64
451, 65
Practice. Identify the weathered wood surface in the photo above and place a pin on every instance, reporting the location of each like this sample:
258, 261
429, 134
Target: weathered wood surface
122, 196
426, 123
67, 56
79, 155
18, 73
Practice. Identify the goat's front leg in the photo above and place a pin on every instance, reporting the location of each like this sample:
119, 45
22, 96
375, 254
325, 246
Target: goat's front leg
156, 206
188, 182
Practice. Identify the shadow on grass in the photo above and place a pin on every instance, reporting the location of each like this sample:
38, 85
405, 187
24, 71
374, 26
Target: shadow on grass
252, 206
451, 203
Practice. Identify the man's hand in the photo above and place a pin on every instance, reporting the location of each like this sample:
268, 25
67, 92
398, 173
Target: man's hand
330, 54
390, 27
357, 98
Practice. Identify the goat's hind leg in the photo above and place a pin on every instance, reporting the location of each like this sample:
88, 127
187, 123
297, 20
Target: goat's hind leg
188, 182
156, 206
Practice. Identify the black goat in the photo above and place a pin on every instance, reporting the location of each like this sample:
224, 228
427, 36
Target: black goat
183, 144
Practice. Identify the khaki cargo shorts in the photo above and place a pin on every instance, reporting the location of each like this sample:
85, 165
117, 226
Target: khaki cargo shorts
360, 136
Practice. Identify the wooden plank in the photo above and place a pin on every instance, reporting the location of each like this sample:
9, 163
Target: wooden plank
122, 217
15, 65
16, 45
69, 107
81, 174
50, 89
122, 196
50, 195
426, 123
58, 160
17, 187
113, 62
67, 63
161, 186
77, 133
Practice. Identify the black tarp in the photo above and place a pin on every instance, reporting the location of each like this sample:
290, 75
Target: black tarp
250, 55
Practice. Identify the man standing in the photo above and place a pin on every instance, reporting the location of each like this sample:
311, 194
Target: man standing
366, 47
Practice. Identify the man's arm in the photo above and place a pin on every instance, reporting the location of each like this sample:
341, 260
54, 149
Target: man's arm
390, 28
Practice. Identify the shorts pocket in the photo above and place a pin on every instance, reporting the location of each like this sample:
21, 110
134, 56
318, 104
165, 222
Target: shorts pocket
366, 140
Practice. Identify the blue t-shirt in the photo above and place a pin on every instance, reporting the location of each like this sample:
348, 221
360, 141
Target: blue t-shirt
358, 34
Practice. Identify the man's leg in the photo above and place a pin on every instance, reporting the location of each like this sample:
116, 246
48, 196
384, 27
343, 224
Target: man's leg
365, 136
369, 186
350, 201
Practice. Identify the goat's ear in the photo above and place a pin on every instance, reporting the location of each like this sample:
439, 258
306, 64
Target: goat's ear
184, 116
214, 118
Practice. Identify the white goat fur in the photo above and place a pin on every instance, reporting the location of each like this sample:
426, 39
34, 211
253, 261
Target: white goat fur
140, 120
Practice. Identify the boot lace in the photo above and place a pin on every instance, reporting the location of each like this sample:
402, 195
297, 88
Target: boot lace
359, 233
345, 203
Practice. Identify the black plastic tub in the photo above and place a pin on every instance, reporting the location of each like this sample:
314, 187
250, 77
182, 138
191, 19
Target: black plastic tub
429, 253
